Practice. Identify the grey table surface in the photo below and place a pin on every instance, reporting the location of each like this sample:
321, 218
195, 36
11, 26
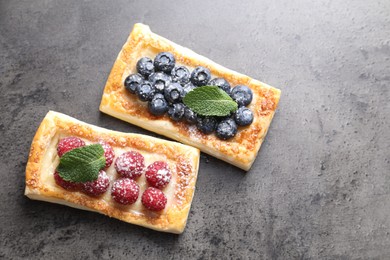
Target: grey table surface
320, 187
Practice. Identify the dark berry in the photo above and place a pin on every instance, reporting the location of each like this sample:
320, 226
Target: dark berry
242, 95
67, 185
176, 111
158, 105
154, 199
164, 61
226, 129
221, 83
132, 82
68, 143
187, 88
160, 81
173, 92
145, 91
243, 116
130, 164
190, 116
200, 76
145, 66
180, 74
158, 174
98, 186
108, 153
206, 124
125, 191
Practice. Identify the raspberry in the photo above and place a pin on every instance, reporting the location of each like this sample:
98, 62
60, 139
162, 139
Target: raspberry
130, 164
96, 187
154, 199
108, 153
67, 185
125, 191
68, 143
158, 174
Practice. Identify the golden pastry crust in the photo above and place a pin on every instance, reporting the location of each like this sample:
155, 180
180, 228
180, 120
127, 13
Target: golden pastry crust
240, 151
183, 161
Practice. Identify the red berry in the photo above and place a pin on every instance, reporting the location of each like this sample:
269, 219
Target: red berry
68, 143
98, 186
125, 191
154, 199
67, 185
108, 153
158, 174
130, 164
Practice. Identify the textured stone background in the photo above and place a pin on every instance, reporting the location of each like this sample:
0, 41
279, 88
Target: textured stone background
320, 188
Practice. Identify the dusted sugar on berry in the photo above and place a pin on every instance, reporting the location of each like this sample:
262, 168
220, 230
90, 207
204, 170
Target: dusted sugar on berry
242, 94
173, 93
164, 61
130, 164
206, 124
158, 106
200, 76
160, 81
108, 153
243, 116
145, 91
67, 185
176, 112
154, 199
180, 74
226, 129
97, 187
158, 174
68, 143
125, 191
132, 82
145, 66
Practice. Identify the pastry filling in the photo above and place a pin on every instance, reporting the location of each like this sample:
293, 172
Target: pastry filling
121, 176
163, 84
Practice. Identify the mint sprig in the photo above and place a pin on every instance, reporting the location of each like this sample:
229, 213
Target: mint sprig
82, 164
210, 101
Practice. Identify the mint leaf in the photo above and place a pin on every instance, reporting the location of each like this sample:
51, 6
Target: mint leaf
210, 101
82, 164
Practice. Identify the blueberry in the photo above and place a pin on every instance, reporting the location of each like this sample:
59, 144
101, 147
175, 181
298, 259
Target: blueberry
145, 91
132, 82
206, 124
187, 88
160, 81
145, 66
222, 84
180, 74
243, 116
173, 92
176, 111
200, 76
242, 95
226, 129
190, 116
158, 105
164, 61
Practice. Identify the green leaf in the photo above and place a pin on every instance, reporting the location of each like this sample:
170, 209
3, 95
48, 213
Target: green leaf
210, 101
82, 164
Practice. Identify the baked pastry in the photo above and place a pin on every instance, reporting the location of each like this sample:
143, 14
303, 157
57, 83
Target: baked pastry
177, 188
240, 150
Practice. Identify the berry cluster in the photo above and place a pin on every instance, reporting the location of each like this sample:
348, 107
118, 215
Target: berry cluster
129, 166
163, 84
